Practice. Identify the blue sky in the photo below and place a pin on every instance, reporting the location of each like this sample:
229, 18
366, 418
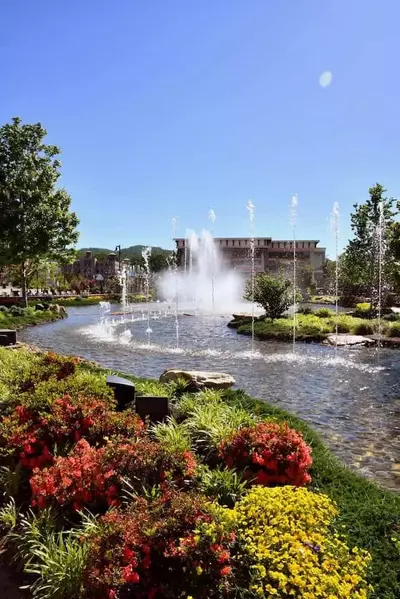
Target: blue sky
167, 108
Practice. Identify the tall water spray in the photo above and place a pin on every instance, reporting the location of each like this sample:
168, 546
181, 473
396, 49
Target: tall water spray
174, 222
293, 217
146, 253
123, 280
212, 217
335, 222
251, 208
381, 251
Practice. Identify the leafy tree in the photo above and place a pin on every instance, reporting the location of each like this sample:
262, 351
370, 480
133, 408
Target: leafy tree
274, 295
305, 277
329, 272
360, 263
159, 261
35, 217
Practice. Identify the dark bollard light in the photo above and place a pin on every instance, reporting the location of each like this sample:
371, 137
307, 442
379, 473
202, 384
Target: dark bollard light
124, 391
155, 408
8, 337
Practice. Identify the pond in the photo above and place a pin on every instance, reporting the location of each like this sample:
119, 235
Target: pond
351, 396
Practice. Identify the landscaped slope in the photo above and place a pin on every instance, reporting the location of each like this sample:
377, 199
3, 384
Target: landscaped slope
230, 498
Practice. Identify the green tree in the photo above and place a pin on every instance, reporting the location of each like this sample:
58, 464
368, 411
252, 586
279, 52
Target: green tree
359, 266
35, 217
273, 294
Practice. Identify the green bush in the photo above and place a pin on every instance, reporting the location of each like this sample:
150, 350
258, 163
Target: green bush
394, 330
4, 309
324, 313
17, 311
222, 484
363, 328
304, 310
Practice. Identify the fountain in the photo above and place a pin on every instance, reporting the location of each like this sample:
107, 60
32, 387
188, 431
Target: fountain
293, 214
212, 217
146, 253
250, 208
210, 286
380, 237
174, 221
335, 221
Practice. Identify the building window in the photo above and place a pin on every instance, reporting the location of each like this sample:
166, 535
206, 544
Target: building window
265, 242
284, 244
309, 244
240, 243
303, 244
233, 242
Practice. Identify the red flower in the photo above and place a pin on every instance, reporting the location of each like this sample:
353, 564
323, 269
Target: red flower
129, 575
225, 571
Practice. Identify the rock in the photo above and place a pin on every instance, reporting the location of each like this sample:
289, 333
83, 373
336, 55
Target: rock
199, 380
60, 310
343, 339
39, 307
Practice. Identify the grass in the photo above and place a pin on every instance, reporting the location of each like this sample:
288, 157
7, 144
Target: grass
29, 318
316, 327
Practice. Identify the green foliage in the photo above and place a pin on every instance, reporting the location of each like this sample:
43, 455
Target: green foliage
324, 313
210, 421
172, 435
312, 327
393, 330
222, 484
359, 264
35, 217
274, 295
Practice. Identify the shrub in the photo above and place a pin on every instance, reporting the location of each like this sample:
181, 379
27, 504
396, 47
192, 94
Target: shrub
394, 330
4, 309
269, 454
16, 311
222, 484
33, 435
305, 310
209, 424
324, 313
273, 294
175, 546
343, 324
94, 477
363, 328
290, 549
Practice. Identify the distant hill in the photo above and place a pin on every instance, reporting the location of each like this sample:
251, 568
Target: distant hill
134, 251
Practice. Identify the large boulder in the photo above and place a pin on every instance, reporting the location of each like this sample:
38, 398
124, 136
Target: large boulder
198, 380
60, 310
343, 339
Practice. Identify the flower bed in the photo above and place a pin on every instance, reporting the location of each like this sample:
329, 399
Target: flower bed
211, 504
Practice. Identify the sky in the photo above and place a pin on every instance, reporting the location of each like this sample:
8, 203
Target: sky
166, 109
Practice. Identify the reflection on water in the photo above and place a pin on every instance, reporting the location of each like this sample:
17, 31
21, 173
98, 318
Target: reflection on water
350, 396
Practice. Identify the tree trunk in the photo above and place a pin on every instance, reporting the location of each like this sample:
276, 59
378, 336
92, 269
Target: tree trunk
24, 285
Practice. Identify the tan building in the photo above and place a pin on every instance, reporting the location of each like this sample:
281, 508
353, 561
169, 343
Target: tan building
88, 266
270, 255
